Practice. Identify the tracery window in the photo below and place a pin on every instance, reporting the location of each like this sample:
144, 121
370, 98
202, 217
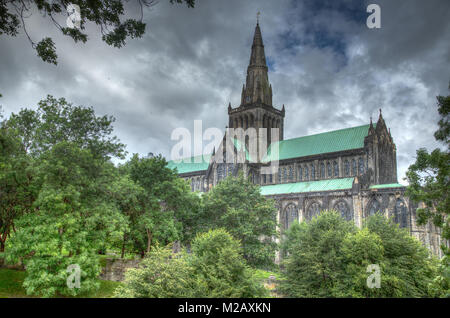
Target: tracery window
291, 173
354, 167
346, 168
279, 175
300, 173
284, 174
313, 210
264, 178
344, 210
330, 174
290, 215
401, 213
361, 166
374, 207
336, 169
313, 172
322, 170
306, 173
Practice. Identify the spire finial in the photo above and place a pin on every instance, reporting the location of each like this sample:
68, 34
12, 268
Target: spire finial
257, 17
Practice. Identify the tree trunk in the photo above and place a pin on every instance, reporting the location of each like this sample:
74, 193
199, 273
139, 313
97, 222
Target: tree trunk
2, 246
149, 240
123, 246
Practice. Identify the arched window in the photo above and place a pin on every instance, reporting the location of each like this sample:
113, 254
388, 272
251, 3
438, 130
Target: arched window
279, 175
192, 185
300, 173
346, 168
290, 215
270, 178
322, 170
374, 207
312, 211
330, 173
336, 168
306, 173
361, 166
219, 172
401, 213
344, 210
291, 173
284, 174
313, 172
354, 167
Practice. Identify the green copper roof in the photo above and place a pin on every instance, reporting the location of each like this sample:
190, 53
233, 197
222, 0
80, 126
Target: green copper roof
332, 141
308, 186
192, 164
384, 186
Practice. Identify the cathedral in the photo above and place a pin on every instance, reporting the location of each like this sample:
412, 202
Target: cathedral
351, 170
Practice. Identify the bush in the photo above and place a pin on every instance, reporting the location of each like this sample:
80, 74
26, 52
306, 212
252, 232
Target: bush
329, 257
215, 268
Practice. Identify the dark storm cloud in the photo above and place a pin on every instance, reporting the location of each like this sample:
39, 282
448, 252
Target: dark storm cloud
326, 66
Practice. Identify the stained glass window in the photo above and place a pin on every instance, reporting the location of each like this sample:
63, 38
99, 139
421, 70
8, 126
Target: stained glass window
330, 173
284, 174
300, 173
306, 173
401, 213
291, 173
346, 168
374, 207
343, 208
291, 215
313, 210
322, 170
313, 172
361, 166
354, 167
336, 169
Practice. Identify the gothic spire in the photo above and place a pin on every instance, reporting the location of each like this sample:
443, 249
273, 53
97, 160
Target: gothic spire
257, 88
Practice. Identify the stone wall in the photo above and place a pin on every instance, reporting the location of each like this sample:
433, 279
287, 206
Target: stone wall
115, 269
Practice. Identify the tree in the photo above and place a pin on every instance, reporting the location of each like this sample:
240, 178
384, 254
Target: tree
220, 269
236, 204
165, 210
108, 15
70, 216
330, 257
429, 177
215, 268
72, 221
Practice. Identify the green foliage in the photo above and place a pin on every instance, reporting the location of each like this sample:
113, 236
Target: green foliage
429, 177
214, 269
11, 286
220, 269
329, 257
160, 206
237, 205
106, 14
160, 275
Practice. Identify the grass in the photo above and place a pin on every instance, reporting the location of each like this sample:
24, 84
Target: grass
11, 286
263, 275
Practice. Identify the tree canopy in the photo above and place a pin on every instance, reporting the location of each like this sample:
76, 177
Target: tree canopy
109, 15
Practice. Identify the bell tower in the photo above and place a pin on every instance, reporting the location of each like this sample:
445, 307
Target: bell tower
256, 109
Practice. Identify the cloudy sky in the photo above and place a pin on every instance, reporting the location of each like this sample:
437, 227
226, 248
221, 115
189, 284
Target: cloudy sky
327, 68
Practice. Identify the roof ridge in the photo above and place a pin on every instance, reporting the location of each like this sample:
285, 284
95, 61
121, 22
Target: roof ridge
326, 132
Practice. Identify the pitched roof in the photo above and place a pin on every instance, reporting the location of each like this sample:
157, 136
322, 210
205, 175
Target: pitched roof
308, 186
383, 186
192, 164
331, 141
